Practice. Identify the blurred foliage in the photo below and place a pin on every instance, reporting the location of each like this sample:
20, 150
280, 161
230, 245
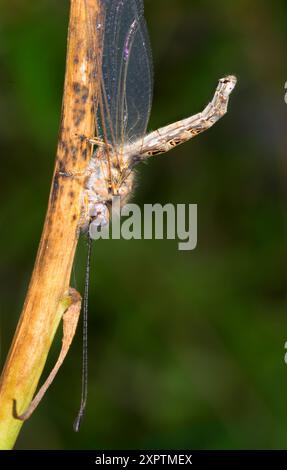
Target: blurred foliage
186, 348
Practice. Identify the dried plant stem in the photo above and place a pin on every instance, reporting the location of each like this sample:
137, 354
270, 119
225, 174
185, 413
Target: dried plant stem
46, 302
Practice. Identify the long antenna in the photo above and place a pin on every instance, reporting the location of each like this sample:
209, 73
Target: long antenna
84, 394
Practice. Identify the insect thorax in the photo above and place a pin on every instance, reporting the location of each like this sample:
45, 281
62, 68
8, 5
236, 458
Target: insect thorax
108, 176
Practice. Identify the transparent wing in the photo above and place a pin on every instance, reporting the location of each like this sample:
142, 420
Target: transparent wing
127, 72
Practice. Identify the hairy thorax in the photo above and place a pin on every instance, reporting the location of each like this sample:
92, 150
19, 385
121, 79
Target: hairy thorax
109, 175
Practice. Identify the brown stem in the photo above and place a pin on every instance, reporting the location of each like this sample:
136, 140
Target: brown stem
43, 308
70, 322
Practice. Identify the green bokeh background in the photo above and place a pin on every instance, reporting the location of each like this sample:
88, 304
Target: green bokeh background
186, 348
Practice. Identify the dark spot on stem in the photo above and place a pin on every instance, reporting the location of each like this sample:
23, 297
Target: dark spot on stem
84, 97
78, 116
76, 87
55, 190
73, 151
61, 169
64, 147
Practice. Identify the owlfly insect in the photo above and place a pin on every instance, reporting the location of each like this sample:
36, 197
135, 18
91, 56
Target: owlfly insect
124, 105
